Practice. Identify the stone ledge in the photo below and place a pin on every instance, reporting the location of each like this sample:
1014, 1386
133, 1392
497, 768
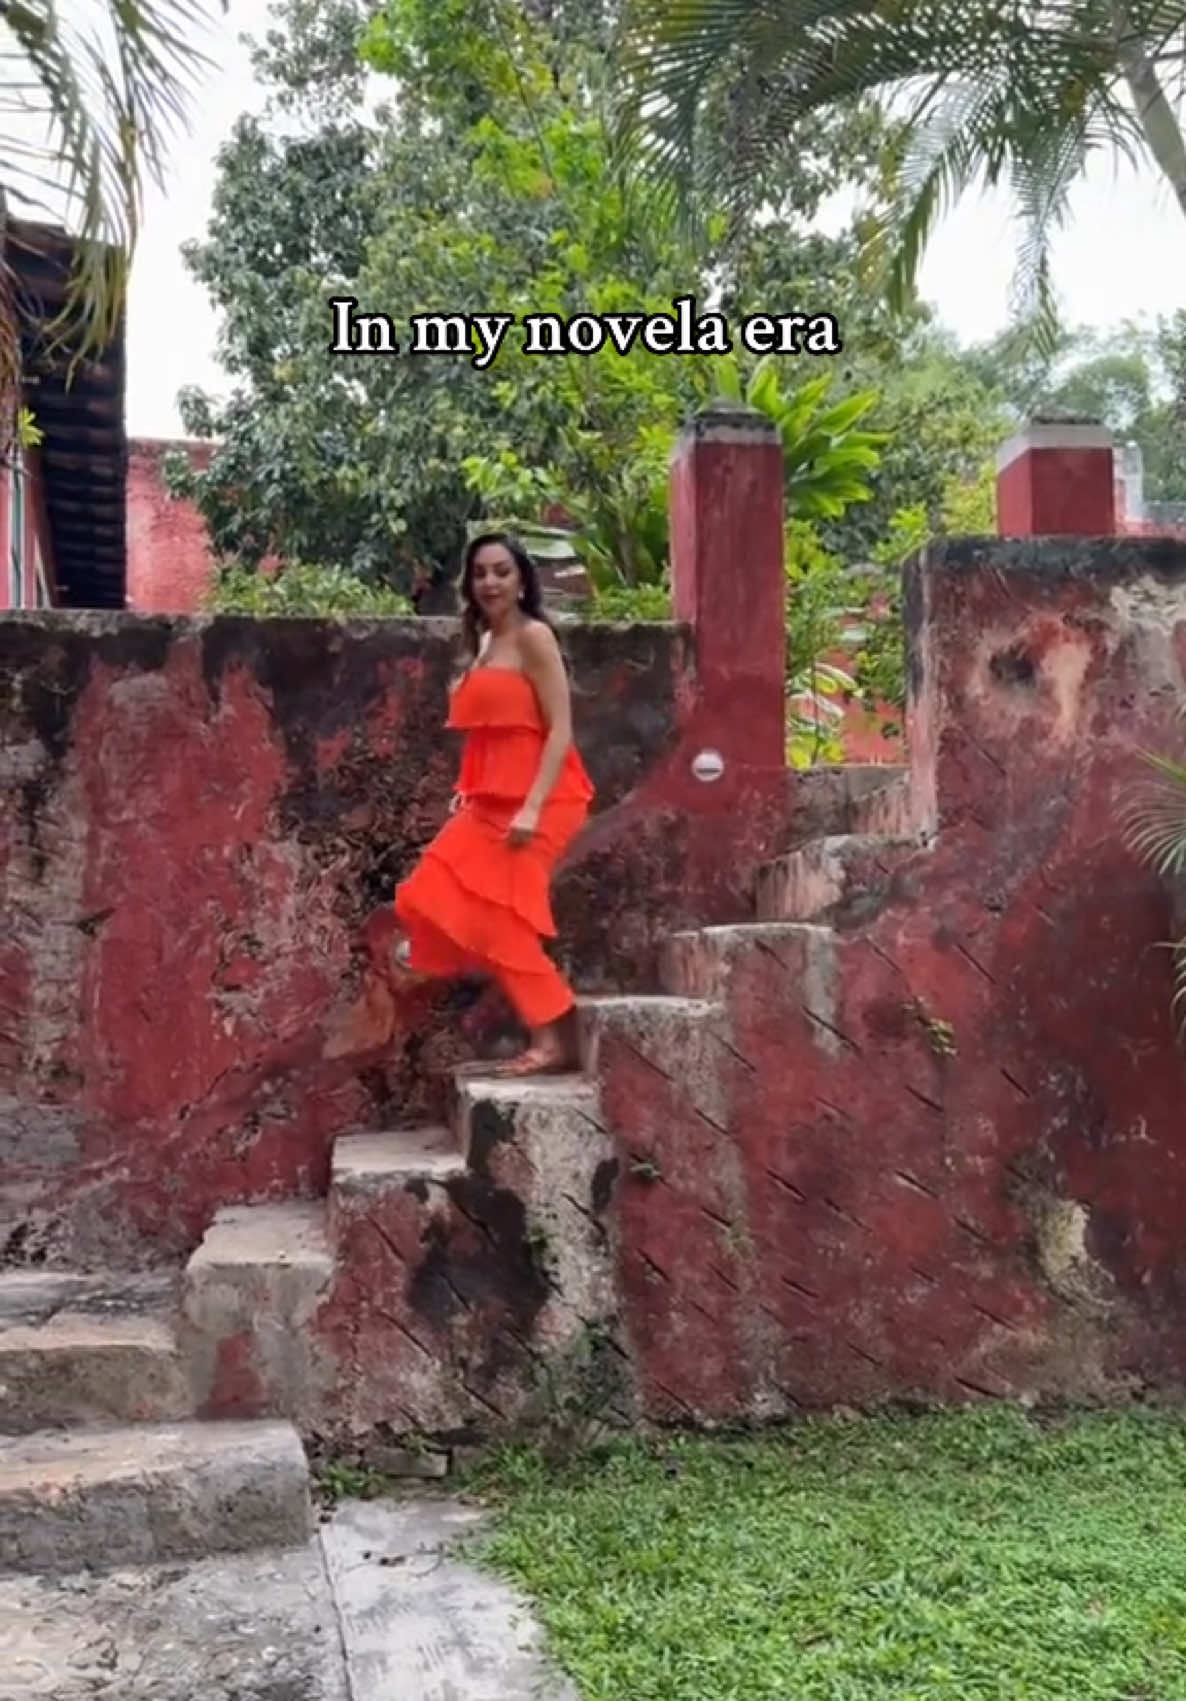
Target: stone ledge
80, 1369
102, 1498
367, 1163
841, 880
32, 1297
697, 963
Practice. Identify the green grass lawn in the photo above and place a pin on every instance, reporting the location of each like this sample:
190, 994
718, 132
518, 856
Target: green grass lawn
972, 1555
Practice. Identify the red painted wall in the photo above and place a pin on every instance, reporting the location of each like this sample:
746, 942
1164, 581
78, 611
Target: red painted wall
930, 1148
251, 793
852, 1208
195, 886
170, 564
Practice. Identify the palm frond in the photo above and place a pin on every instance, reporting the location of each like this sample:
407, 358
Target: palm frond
1178, 1003
1177, 950
1018, 95
941, 164
1153, 822
1153, 825
1042, 178
671, 56
106, 99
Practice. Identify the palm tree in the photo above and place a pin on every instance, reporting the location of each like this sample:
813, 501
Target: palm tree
89, 94
1008, 92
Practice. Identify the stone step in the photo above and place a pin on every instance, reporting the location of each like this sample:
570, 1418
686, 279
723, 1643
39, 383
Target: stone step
234, 1627
848, 797
392, 1182
470, 1280
488, 1110
887, 811
78, 1349
675, 1047
390, 1171
373, 1162
542, 1171
32, 1296
844, 880
95, 1499
252, 1289
651, 1024
543, 1141
698, 963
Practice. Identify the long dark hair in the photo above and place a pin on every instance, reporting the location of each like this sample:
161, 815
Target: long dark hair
473, 621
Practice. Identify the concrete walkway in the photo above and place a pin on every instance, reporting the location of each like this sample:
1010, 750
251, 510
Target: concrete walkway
375, 1609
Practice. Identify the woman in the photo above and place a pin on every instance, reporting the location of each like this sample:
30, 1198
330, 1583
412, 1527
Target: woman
478, 900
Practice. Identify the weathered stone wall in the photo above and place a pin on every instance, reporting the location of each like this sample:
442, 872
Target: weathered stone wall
906, 1122
202, 824
934, 1146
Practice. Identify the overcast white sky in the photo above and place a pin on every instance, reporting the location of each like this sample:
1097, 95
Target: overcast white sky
1124, 255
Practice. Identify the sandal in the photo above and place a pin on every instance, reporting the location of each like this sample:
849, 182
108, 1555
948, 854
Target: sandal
533, 1061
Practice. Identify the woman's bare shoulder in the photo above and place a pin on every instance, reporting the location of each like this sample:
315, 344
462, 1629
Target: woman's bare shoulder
537, 640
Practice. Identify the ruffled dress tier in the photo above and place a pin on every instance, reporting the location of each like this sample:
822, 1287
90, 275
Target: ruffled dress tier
475, 903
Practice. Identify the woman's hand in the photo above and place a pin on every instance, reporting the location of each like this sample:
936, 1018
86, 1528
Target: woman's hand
522, 828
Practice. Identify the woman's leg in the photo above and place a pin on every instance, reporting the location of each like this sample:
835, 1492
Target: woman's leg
473, 903
544, 1003
541, 996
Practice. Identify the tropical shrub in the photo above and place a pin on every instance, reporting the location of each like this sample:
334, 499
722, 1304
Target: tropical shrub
301, 588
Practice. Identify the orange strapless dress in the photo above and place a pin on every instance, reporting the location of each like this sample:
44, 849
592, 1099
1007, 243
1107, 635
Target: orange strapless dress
474, 903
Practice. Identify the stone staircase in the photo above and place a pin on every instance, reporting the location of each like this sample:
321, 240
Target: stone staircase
102, 1463
864, 836
160, 1417
453, 1278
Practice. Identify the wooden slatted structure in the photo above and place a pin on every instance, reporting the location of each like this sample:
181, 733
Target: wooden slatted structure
79, 406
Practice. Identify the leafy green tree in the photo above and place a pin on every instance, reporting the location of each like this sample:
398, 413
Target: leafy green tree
313, 462
1020, 95
1132, 378
485, 185
481, 191
942, 422
1162, 434
619, 524
824, 600
878, 663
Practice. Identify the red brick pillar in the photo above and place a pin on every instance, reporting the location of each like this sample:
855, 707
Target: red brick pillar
1056, 479
728, 584
718, 804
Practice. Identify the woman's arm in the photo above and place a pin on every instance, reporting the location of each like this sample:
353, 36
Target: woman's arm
544, 666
